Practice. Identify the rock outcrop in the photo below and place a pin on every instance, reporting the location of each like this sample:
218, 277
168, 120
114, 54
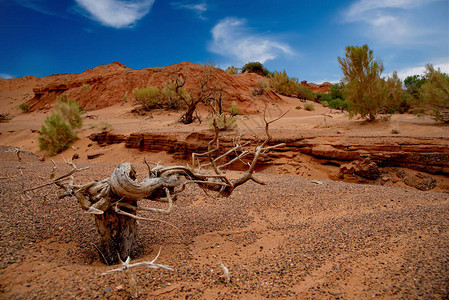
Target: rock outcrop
111, 84
427, 155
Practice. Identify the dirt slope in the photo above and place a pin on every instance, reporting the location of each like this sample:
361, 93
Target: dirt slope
111, 84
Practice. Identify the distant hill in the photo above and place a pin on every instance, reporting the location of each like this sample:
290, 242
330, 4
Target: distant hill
107, 85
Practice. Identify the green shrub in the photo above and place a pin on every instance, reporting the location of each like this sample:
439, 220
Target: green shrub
24, 107
70, 111
303, 92
337, 104
255, 67
233, 110
174, 95
434, 93
58, 130
56, 135
309, 106
263, 86
85, 87
224, 122
299, 107
283, 84
367, 93
232, 70
147, 98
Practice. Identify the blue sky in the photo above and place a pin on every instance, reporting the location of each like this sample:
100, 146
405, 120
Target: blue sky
44, 37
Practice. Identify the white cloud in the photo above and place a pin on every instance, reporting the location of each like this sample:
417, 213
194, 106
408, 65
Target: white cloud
363, 6
198, 8
395, 22
232, 39
6, 76
36, 5
116, 13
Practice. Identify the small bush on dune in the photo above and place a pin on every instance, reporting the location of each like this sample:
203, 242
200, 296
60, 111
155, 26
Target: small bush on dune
232, 70
224, 122
70, 111
174, 95
283, 84
304, 92
309, 106
255, 67
147, 98
434, 93
59, 128
56, 135
263, 86
233, 110
24, 107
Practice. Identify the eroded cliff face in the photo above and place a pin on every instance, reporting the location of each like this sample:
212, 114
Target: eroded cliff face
361, 156
111, 84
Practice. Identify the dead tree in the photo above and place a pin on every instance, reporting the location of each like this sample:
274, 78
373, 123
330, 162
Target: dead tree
114, 201
208, 92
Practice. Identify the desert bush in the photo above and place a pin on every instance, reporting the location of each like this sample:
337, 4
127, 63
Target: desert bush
147, 98
365, 90
56, 135
283, 84
224, 122
434, 93
298, 107
303, 92
70, 111
58, 130
337, 104
85, 87
5, 117
24, 107
232, 70
102, 126
263, 86
309, 106
255, 67
174, 95
233, 110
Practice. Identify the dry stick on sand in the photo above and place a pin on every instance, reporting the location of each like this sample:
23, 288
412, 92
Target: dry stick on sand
125, 268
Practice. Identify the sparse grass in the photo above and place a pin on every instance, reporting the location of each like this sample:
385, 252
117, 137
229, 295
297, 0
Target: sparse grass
232, 70
224, 122
85, 87
102, 126
395, 131
24, 107
309, 107
5, 117
263, 86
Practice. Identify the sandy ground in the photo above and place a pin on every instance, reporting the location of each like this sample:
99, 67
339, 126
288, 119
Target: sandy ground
292, 238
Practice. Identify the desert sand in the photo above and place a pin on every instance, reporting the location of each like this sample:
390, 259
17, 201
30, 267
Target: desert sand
307, 233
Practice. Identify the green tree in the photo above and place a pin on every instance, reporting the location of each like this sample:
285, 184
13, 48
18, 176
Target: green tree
366, 91
256, 67
434, 93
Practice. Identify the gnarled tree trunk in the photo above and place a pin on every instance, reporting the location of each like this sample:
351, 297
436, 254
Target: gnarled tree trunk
117, 235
